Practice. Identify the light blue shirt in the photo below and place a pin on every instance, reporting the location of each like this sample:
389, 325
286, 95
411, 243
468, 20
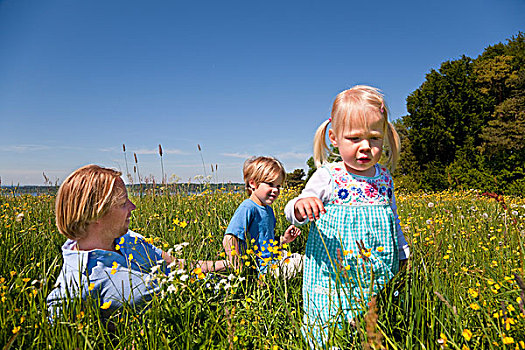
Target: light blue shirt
116, 277
257, 222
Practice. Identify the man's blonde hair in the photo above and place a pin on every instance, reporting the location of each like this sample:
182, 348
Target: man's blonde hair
262, 169
85, 196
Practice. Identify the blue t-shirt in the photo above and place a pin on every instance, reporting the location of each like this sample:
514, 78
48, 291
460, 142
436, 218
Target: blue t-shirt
254, 222
118, 278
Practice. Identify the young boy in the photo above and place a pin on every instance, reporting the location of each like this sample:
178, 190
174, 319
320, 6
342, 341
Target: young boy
253, 223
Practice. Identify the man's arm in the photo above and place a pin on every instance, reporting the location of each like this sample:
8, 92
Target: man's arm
230, 243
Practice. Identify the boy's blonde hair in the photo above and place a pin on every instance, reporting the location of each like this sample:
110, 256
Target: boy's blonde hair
354, 107
262, 169
85, 196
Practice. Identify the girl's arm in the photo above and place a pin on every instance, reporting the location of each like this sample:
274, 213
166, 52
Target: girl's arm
404, 250
310, 202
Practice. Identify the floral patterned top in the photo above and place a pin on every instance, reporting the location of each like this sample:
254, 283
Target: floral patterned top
350, 189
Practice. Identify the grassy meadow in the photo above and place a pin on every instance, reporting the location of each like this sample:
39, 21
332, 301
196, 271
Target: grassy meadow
462, 289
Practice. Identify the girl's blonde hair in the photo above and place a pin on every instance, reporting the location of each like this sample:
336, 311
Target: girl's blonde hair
352, 108
262, 169
85, 196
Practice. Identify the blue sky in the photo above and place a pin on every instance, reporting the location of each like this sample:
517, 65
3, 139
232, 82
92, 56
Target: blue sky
80, 78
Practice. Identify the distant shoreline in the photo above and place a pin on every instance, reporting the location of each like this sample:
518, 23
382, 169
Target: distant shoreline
134, 189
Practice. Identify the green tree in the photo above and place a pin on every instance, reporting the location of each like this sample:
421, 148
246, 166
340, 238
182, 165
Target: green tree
333, 157
466, 123
295, 178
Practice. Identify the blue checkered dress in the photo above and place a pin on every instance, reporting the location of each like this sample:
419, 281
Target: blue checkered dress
339, 277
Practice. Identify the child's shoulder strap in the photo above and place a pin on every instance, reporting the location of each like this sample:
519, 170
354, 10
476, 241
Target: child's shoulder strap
334, 167
383, 170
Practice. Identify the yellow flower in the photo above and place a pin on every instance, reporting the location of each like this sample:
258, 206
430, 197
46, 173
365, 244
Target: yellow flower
473, 292
287, 261
464, 347
446, 257
16, 329
380, 249
117, 247
475, 306
442, 340
467, 334
12, 273
347, 267
201, 276
130, 257
235, 339
26, 280
183, 224
113, 270
222, 255
233, 253
508, 340
197, 271
247, 263
91, 286
249, 299
367, 254
106, 305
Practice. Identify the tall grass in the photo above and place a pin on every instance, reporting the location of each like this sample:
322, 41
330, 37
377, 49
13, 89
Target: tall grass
460, 289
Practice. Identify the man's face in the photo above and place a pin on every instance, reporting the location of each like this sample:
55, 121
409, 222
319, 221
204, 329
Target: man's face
116, 221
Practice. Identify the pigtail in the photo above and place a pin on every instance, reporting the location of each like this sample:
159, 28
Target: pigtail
395, 146
321, 149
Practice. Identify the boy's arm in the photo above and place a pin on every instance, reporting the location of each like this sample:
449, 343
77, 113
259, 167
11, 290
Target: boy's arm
289, 235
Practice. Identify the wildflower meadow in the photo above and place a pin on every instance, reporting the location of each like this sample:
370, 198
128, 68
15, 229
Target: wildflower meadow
463, 287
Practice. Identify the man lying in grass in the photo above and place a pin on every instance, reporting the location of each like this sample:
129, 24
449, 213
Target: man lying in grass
102, 258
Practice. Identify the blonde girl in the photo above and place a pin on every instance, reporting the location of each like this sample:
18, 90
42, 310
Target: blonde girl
355, 242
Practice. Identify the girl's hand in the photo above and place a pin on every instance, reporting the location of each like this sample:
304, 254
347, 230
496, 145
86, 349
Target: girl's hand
309, 207
290, 234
